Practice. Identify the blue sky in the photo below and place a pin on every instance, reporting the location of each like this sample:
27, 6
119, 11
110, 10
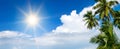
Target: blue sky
53, 9
61, 25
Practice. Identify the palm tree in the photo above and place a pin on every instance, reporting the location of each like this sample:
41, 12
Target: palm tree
104, 8
107, 39
91, 21
100, 39
105, 42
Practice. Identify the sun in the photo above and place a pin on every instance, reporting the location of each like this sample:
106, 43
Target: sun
32, 17
32, 20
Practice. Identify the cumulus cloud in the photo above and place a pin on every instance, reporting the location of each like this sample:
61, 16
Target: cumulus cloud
71, 23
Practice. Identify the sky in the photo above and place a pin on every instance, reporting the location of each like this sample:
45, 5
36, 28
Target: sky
61, 24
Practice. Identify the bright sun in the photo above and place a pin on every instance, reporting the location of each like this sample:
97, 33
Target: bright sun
32, 20
32, 17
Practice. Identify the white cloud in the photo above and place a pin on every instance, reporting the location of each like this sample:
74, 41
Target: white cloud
14, 38
53, 39
71, 23
45, 40
50, 40
10, 34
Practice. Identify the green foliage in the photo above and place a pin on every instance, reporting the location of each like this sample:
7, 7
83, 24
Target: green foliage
104, 8
91, 21
109, 18
117, 19
107, 39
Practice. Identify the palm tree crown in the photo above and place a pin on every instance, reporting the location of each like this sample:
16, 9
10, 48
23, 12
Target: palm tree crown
104, 8
91, 21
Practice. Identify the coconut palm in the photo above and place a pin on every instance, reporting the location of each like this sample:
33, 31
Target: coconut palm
105, 42
100, 39
91, 21
107, 39
104, 8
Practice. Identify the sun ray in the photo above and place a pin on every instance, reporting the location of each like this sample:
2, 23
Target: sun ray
42, 28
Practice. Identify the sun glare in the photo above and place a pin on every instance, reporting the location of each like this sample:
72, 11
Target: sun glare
32, 20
